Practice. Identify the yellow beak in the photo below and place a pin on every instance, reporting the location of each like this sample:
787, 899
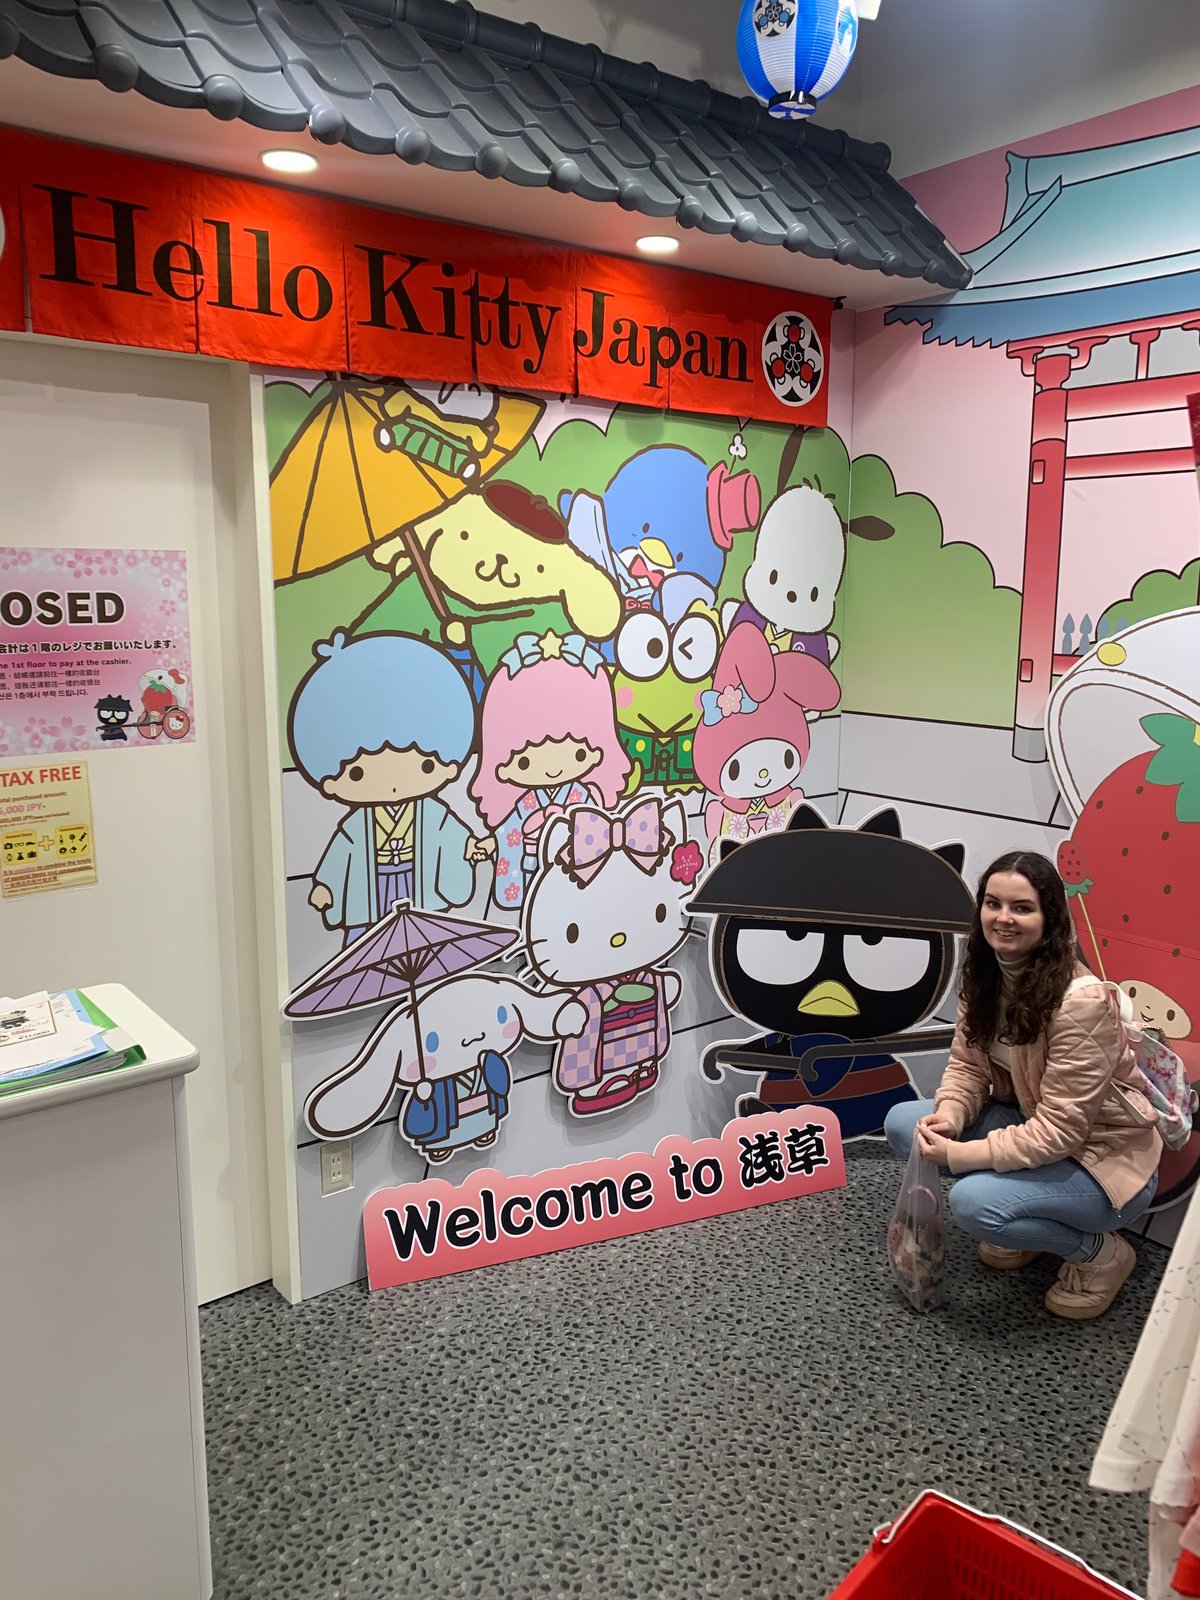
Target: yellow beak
655, 550
829, 1000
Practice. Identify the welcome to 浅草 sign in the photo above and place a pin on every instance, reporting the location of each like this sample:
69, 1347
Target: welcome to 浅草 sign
100, 245
434, 1228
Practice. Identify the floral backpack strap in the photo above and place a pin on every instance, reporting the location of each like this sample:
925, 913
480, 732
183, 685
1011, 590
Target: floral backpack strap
1164, 1077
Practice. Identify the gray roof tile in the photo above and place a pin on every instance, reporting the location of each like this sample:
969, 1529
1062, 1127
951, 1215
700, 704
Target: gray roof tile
449, 85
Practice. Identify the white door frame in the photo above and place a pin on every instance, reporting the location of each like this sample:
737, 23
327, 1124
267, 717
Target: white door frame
234, 396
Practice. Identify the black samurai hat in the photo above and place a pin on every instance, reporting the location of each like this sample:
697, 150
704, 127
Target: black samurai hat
865, 877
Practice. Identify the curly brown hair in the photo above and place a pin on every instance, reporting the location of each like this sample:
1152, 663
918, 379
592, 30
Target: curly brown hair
1041, 985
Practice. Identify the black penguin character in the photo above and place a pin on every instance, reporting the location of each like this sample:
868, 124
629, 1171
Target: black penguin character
838, 942
114, 711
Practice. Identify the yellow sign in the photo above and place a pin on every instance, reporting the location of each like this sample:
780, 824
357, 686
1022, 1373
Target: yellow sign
45, 828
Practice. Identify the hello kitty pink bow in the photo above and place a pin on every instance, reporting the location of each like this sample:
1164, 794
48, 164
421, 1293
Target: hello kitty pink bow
595, 837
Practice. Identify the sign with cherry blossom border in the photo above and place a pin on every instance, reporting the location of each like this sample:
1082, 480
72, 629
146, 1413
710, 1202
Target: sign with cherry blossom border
95, 651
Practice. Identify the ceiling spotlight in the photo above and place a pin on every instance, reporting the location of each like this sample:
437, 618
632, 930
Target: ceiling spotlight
294, 161
658, 244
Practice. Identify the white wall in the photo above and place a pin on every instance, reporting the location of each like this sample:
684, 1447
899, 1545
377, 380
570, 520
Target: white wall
693, 40
101, 448
941, 79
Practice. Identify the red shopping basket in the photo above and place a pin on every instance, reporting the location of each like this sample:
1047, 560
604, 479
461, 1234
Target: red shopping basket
941, 1550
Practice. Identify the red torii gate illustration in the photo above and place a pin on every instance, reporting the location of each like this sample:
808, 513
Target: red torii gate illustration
1051, 361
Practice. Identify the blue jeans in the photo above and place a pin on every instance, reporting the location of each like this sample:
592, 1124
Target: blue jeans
1057, 1209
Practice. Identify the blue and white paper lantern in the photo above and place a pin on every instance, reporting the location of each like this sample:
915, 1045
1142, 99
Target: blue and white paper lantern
794, 52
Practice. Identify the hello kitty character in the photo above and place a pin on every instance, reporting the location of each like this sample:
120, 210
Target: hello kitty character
793, 580
603, 915
753, 738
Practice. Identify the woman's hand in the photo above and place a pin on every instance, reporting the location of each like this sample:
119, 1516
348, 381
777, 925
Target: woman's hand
939, 1122
933, 1146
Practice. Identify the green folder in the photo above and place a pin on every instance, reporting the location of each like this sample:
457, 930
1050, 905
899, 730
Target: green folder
127, 1055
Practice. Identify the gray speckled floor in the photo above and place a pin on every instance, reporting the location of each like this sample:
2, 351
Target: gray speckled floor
721, 1409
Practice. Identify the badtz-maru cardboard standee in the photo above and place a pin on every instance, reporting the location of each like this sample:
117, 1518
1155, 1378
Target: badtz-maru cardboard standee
835, 943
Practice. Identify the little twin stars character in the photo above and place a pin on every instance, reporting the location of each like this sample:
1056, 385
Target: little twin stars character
383, 724
549, 743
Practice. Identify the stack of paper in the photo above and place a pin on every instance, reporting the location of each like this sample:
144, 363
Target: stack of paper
51, 1037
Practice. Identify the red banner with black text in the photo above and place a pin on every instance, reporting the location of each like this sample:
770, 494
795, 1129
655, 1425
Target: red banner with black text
124, 249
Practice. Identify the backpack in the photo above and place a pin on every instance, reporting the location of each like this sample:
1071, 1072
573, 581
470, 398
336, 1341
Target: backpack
1165, 1081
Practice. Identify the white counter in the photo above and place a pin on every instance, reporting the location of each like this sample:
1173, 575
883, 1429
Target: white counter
102, 1478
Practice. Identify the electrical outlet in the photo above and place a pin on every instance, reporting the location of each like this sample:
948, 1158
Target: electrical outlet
337, 1167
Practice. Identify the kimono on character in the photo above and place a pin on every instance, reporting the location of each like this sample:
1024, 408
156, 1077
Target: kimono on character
859, 1089
517, 836
381, 854
746, 819
383, 725
627, 1034
549, 743
603, 914
753, 740
790, 587
666, 761
782, 639
467, 1108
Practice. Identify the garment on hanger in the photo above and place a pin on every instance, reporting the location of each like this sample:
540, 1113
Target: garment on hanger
1152, 1441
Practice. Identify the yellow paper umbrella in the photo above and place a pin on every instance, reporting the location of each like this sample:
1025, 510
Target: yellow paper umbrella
372, 458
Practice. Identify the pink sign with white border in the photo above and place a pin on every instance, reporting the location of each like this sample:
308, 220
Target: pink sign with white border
432, 1229
95, 651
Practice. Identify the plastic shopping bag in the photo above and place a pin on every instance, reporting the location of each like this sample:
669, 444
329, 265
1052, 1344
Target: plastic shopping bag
917, 1235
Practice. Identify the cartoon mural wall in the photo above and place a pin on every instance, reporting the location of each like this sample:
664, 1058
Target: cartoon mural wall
538, 658
578, 660
1040, 484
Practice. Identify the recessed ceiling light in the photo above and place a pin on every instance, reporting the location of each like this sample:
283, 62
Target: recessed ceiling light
289, 161
658, 244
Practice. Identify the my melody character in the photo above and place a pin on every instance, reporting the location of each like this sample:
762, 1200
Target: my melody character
383, 724
601, 917
549, 742
450, 1058
793, 580
753, 738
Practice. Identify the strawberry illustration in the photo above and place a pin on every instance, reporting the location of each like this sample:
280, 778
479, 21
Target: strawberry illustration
1132, 864
1072, 869
1132, 873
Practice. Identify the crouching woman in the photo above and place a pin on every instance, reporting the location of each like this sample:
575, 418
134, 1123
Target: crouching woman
1039, 1115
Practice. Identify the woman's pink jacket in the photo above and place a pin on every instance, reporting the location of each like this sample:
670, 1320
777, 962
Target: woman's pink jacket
1078, 1087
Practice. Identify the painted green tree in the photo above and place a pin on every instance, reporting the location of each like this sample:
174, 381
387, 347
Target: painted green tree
926, 631
1153, 595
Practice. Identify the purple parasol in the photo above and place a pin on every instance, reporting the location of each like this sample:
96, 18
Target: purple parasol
403, 949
